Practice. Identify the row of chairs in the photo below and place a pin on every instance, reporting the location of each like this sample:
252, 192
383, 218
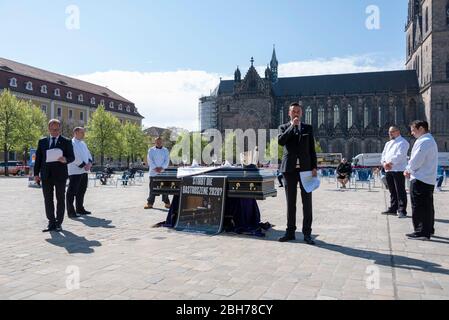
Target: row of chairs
123, 179
359, 177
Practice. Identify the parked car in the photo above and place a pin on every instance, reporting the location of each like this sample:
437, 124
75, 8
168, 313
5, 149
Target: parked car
15, 168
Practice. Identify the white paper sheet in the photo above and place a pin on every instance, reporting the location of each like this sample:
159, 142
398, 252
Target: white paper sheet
53, 155
189, 171
309, 182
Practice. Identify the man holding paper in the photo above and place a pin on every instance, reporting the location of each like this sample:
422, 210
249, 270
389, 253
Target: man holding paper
299, 163
52, 156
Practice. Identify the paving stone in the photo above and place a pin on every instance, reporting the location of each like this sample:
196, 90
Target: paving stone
120, 256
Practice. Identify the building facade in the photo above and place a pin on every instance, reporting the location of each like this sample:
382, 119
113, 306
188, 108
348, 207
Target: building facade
351, 113
427, 31
70, 100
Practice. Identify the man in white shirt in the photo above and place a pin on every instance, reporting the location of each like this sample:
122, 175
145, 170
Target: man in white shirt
158, 161
422, 171
394, 161
78, 175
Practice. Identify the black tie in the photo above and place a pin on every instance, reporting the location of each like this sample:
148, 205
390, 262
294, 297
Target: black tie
53, 143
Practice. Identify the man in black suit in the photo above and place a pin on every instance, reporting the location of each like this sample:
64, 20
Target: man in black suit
53, 175
299, 156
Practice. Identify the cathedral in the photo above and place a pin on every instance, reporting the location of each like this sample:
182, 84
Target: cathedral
351, 113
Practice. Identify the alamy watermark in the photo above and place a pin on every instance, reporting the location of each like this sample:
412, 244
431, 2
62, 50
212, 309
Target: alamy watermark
372, 22
72, 21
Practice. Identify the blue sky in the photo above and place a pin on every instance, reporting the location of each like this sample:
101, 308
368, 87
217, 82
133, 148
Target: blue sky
207, 36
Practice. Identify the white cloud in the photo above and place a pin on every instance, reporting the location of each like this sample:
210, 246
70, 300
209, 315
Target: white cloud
168, 99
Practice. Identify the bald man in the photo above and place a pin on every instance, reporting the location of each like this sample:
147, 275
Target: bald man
394, 161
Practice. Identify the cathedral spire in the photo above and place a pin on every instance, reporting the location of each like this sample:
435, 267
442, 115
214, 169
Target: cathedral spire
237, 75
274, 64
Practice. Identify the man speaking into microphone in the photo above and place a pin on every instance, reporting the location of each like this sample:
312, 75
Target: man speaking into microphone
299, 156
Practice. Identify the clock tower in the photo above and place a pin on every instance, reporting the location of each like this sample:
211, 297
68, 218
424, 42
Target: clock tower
427, 36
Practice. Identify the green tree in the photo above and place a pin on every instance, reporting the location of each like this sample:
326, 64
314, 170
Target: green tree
11, 115
102, 133
134, 140
32, 127
185, 144
318, 148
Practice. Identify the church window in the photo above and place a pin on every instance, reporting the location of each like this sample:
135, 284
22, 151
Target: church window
309, 115
380, 122
366, 116
350, 117
427, 20
336, 115
320, 116
395, 115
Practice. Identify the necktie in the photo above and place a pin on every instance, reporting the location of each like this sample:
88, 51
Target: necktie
53, 143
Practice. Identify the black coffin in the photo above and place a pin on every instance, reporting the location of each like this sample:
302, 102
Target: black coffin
246, 183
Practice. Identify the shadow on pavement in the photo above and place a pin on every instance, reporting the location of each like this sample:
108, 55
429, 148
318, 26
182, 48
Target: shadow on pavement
378, 258
95, 222
73, 243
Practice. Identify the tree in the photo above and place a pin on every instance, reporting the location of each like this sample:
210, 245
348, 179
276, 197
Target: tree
11, 115
318, 148
184, 147
32, 127
134, 141
102, 133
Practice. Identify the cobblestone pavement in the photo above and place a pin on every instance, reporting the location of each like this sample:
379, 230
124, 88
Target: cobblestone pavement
360, 254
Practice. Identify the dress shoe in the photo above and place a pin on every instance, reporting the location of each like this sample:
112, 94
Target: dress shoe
287, 237
58, 228
50, 228
148, 206
417, 236
73, 215
389, 213
84, 213
309, 240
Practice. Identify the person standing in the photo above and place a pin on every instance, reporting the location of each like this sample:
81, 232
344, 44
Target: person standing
422, 172
299, 156
158, 161
53, 174
394, 161
78, 175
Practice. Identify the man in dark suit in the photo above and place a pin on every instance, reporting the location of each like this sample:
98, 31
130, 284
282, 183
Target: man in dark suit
53, 175
299, 156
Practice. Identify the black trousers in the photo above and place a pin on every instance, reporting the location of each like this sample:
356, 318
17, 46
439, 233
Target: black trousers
291, 190
280, 179
49, 185
398, 195
152, 197
77, 190
423, 208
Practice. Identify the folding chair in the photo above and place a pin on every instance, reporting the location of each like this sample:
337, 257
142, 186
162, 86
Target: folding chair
363, 177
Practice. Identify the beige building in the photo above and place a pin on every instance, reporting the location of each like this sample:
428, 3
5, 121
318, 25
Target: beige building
70, 100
